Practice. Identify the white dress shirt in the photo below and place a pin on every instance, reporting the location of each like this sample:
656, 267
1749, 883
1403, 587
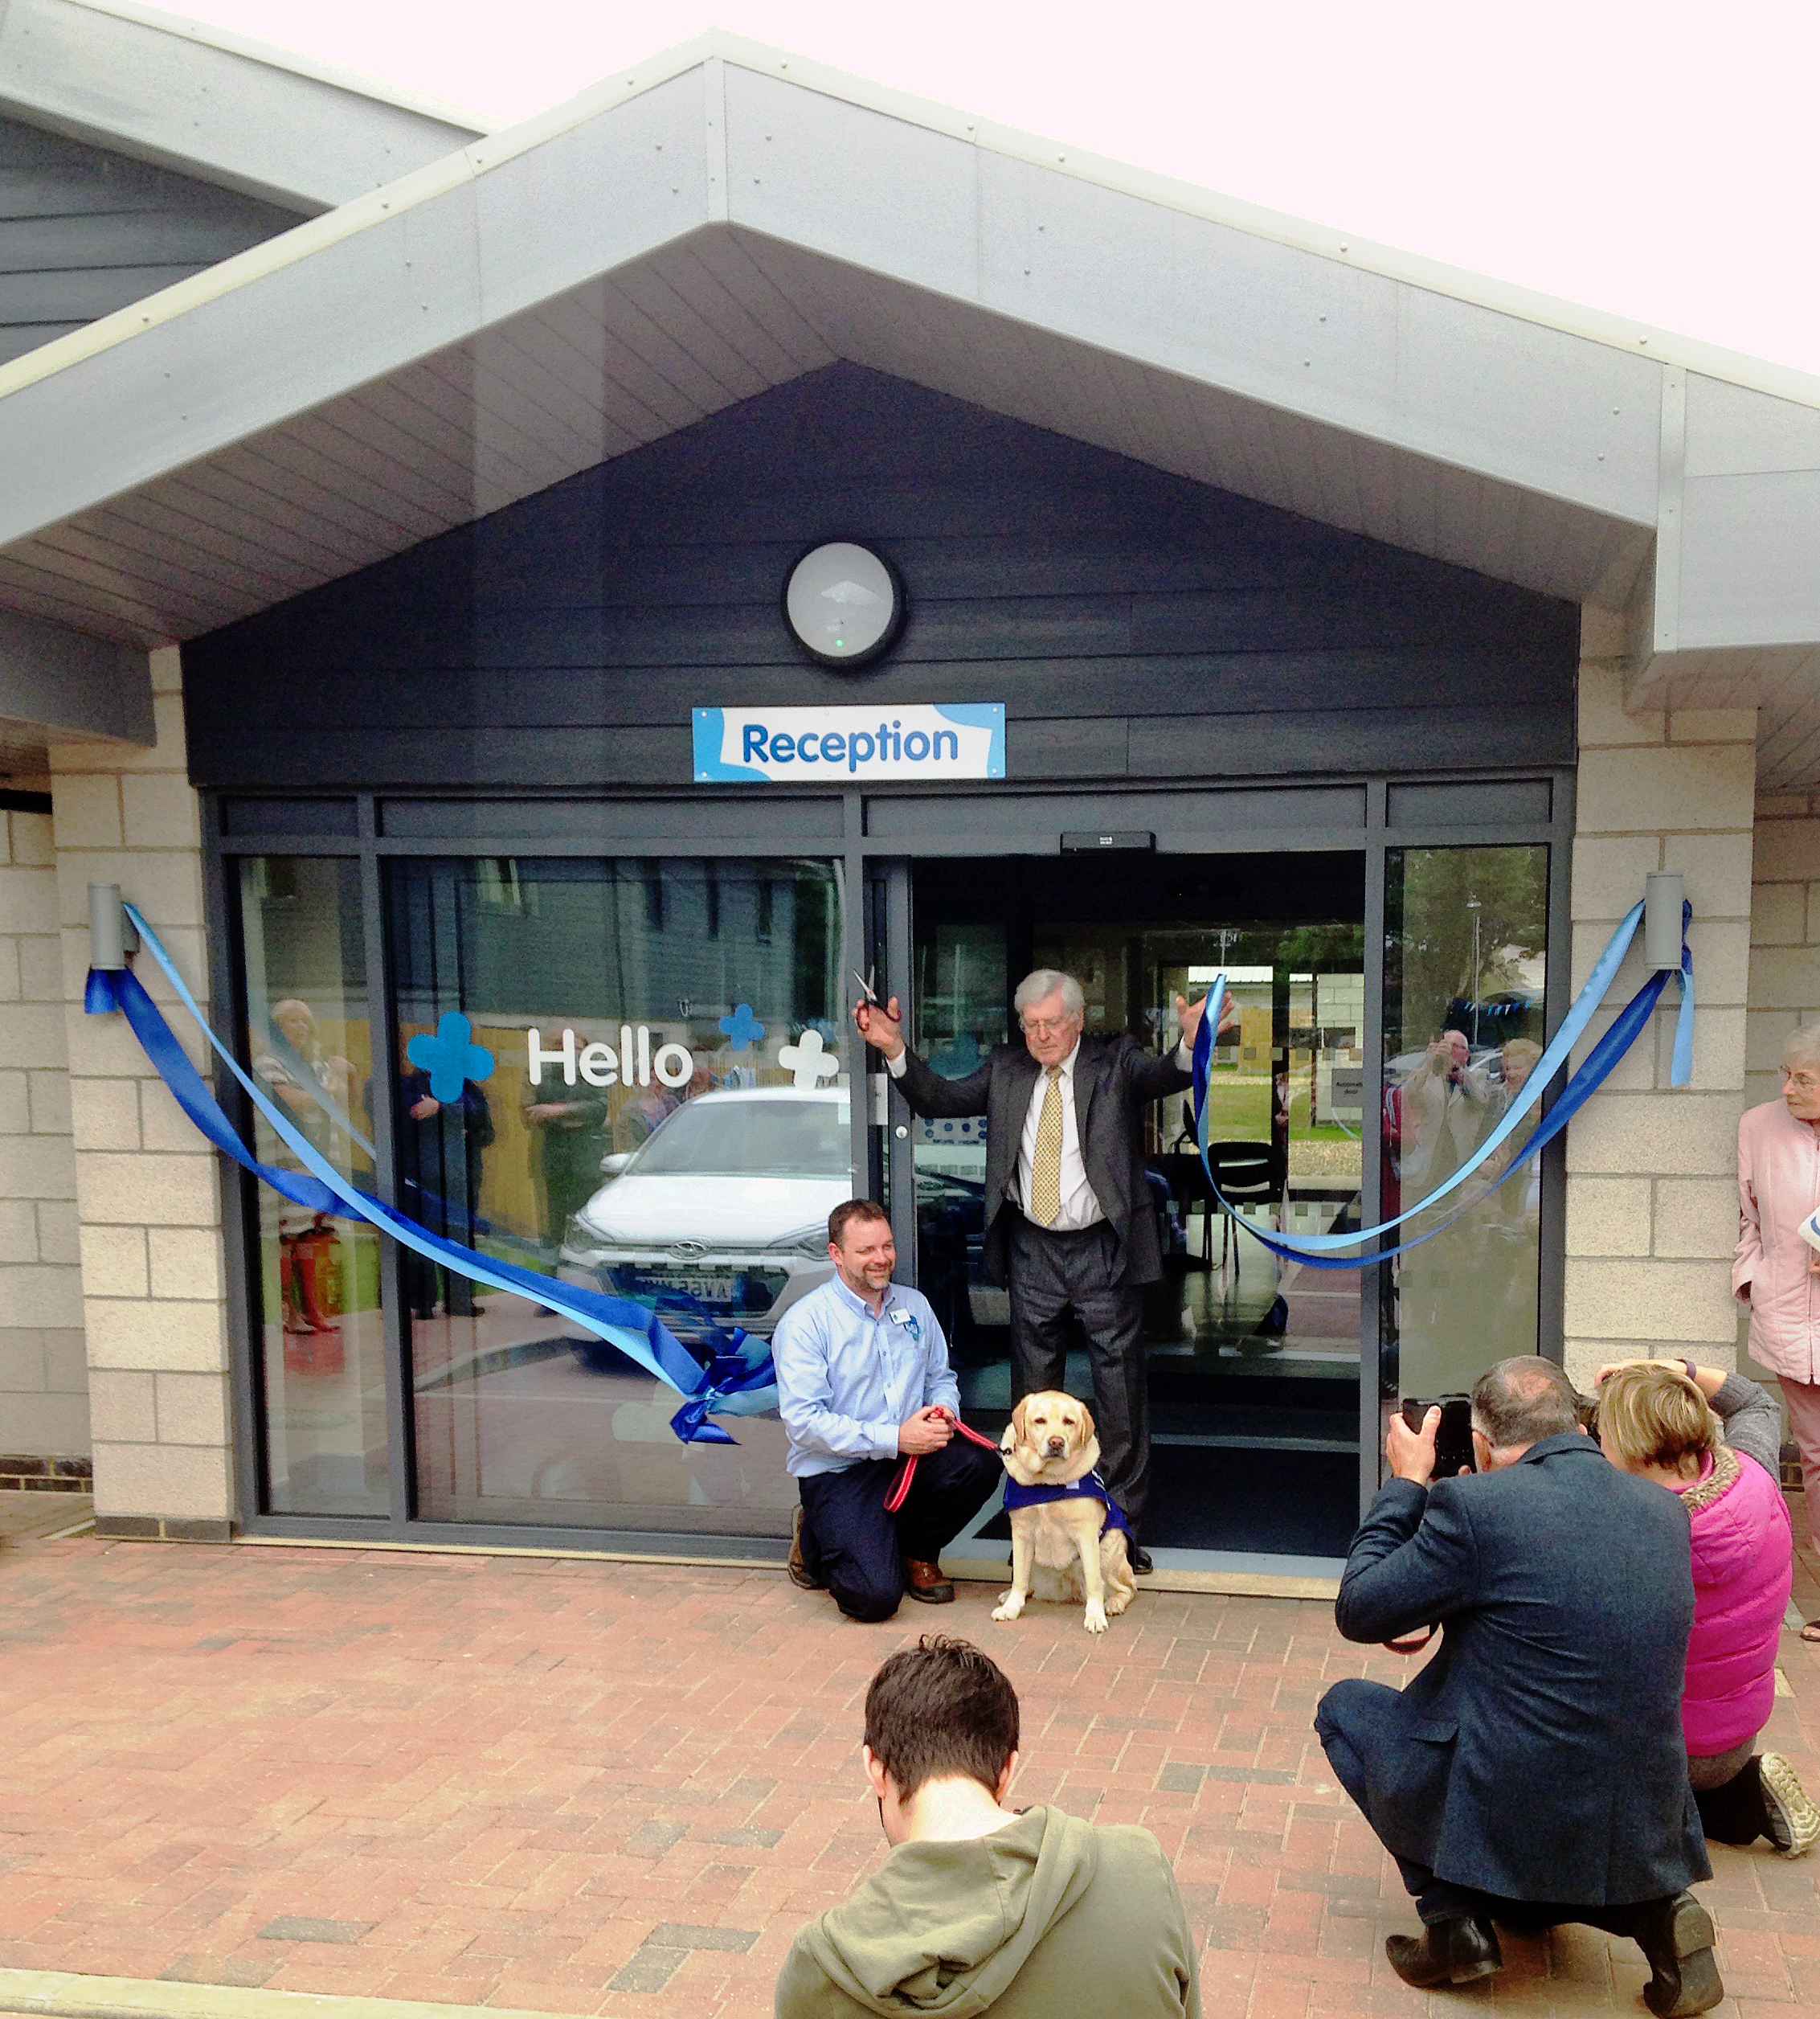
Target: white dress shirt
1080, 1207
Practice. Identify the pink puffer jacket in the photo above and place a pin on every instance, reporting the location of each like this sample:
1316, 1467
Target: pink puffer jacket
1743, 1552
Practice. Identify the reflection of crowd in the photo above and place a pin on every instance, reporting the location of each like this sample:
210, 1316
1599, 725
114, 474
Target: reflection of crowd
310, 1083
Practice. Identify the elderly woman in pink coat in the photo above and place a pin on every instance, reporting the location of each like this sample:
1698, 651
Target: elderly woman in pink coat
1712, 1438
1776, 1272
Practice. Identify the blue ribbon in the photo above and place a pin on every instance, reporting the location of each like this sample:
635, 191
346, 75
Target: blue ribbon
638, 1333
1315, 1250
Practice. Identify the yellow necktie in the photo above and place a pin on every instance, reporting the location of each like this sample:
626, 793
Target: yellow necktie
1045, 1165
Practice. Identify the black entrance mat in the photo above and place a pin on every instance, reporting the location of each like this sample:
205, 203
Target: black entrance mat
1273, 1503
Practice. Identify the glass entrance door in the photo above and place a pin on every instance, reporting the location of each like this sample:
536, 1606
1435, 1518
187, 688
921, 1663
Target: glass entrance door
1255, 1365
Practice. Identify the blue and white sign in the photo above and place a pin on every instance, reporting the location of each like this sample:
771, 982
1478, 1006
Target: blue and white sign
798, 745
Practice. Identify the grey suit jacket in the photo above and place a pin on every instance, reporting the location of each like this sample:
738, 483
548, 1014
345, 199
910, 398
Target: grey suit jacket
1537, 1755
1115, 1079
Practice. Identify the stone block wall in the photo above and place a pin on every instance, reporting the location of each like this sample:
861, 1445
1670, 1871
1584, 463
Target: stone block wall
43, 1385
147, 1190
1784, 959
1652, 1193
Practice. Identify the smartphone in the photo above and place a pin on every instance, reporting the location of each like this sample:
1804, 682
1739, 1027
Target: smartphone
1453, 1440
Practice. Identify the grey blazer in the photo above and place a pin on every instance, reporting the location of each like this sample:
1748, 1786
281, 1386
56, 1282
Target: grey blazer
1115, 1079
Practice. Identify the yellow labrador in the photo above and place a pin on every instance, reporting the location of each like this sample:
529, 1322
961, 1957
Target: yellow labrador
1065, 1532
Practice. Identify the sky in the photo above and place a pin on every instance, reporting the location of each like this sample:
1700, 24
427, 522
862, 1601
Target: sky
1655, 161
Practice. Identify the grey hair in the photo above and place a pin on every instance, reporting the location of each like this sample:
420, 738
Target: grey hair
1040, 986
1802, 1047
1522, 1400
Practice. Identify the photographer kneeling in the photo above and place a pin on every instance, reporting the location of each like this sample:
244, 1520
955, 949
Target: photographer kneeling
1533, 1772
1661, 1420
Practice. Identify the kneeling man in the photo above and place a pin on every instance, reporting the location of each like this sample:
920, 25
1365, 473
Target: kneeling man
863, 1381
1533, 1772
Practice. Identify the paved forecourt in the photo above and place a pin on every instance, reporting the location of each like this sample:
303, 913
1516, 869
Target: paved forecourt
573, 1786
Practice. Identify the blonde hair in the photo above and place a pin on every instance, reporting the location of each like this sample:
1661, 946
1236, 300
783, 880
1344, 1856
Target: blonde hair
1655, 1415
1524, 1051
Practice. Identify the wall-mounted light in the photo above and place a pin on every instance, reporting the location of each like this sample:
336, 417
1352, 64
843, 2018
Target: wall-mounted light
844, 604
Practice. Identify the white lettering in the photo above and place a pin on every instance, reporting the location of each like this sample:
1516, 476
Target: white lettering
644, 1056
626, 1070
539, 1058
680, 1072
599, 1068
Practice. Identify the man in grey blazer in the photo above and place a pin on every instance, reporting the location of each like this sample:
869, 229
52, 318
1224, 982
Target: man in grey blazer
1069, 1225
1533, 1772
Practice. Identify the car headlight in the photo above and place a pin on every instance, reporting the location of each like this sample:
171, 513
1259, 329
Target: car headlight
806, 1240
582, 1233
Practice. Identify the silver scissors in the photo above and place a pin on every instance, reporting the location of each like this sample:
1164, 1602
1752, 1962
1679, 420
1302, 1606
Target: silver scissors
867, 992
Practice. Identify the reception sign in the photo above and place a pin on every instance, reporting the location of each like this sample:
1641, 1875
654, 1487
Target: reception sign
808, 745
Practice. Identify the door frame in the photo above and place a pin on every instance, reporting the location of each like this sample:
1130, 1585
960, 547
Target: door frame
875, 834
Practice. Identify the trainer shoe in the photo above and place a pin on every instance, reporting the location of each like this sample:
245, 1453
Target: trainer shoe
801, 1574
1793, 1819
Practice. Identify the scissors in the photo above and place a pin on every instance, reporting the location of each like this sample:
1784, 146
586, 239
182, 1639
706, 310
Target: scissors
867, 992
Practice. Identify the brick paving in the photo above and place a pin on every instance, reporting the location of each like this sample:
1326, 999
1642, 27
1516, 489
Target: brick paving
581, 1786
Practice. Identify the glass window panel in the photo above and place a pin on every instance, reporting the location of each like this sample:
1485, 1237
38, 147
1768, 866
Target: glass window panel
1465, 970
317, 1318
662, 1153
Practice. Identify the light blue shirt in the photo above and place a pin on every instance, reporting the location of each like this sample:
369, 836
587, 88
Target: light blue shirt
846, 1379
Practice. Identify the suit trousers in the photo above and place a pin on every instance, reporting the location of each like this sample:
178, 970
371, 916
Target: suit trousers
1052, 1276
855, 1547
1342, 1721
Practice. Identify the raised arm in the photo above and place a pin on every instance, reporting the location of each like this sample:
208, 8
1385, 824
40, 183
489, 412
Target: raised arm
1411, 1564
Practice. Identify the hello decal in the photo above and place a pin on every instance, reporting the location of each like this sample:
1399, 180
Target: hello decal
635, 1062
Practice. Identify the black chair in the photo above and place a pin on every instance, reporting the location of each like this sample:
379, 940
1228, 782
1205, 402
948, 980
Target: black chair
1246, 1174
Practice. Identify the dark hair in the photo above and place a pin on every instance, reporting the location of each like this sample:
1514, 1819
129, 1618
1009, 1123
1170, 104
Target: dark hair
940, 1708
1521, 1401
847, 1212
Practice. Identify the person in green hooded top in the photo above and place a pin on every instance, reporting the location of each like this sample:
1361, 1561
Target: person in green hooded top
981, 1908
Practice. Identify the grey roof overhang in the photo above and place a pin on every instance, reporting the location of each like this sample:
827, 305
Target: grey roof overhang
728, 217
212, 104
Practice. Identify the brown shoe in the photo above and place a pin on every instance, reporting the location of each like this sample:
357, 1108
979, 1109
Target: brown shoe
801, 1574
925, 1581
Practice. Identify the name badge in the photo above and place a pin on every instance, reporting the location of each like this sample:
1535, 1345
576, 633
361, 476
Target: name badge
903, 1317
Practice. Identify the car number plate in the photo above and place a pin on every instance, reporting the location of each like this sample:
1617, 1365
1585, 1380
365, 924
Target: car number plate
711, 1286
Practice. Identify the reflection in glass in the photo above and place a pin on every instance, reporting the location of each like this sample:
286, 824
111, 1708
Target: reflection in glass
308, 1040
1465, 970
636, 1134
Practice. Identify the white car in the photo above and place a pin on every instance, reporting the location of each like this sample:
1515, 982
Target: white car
724, 1204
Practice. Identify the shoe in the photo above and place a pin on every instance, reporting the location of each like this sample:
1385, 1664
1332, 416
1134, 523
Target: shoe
801, 1574
925, 1581
1457, 1952
1794, 1820
1675, 1936
1139, 1559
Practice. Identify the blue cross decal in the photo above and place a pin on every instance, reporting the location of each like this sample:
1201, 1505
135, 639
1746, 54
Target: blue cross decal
742, 1027
451, 1058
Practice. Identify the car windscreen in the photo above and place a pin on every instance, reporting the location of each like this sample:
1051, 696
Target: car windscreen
755, 1138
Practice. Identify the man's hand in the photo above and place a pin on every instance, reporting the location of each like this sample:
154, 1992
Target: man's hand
882, 1024
1411, 1453
549, 1111
927, 1431
1189, 1014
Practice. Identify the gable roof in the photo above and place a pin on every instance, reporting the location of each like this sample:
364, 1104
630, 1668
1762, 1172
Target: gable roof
727, 217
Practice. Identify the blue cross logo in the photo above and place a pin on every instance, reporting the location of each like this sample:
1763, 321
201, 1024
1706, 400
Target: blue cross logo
451, 1058
742, 1027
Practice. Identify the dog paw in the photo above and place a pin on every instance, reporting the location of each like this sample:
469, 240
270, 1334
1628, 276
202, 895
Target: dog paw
1008, 1607
1095, 1621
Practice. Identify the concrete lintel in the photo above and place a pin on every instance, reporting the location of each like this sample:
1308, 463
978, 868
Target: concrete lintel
70, 683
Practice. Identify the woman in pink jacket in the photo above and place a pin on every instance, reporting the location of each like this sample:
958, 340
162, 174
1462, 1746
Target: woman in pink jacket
1776, 1272
1656, 1419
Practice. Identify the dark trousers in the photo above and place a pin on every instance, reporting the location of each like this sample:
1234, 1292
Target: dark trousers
1439, 1899
855, 1547
1052, 1276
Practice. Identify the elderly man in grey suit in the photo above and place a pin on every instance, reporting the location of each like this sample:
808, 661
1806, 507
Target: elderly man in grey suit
1069, 1225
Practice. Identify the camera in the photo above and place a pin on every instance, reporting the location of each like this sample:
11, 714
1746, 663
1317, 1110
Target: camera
1453, 1439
